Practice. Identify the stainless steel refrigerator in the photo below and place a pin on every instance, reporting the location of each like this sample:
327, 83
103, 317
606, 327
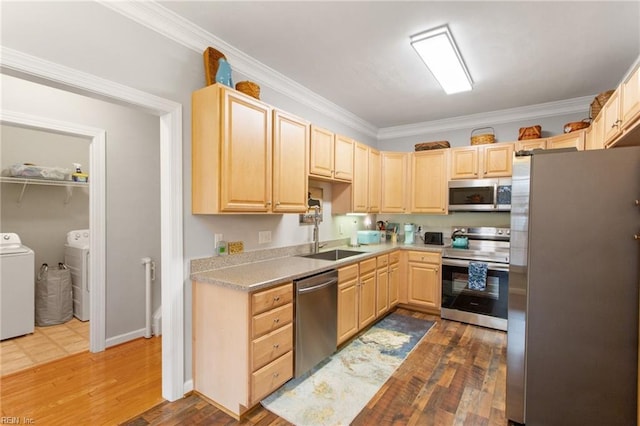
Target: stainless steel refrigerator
572, 338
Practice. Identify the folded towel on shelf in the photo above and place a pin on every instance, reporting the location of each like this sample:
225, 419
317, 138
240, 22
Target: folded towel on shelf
478, 275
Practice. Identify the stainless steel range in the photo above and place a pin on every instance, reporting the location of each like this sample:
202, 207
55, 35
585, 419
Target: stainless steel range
481, 300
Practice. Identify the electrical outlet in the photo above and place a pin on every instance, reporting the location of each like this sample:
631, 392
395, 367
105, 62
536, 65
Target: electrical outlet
216, 239
264, 237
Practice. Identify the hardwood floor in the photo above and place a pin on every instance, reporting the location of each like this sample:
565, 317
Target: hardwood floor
455, 376
104, 388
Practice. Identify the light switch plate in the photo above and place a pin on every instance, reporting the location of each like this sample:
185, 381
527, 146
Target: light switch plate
264, 237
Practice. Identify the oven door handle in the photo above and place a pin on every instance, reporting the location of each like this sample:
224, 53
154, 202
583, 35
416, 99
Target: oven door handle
495, 195
465, 264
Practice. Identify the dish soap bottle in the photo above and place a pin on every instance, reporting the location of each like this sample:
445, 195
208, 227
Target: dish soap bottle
78, 176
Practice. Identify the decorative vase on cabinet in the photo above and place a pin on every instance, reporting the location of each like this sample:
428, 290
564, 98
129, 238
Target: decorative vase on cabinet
223, 75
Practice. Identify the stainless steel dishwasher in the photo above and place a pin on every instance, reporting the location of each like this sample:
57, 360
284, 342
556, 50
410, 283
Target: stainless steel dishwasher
316, 307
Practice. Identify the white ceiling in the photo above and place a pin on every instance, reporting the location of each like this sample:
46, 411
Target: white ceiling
357, 54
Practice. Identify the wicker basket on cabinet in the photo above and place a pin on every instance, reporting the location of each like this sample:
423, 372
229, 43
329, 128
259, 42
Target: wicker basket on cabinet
598, 103
211, 57
482, 138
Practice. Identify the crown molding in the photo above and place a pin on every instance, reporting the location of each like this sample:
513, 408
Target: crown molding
171, 25
531, 112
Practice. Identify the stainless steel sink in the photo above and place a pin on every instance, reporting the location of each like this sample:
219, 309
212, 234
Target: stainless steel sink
333, 254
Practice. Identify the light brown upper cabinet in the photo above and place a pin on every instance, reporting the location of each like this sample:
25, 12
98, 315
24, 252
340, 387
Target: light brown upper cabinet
331, 156
394, 182
631, 99
622, 112
231, 152
290, 168
360, 189
429, 181
612, 118
375, 170
593, 136
365, 190
567, 140
482, 161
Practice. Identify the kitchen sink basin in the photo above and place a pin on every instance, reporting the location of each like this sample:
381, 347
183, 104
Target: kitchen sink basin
333, 254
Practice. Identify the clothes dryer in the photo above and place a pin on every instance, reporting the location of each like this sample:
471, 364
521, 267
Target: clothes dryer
17, 284
76, 257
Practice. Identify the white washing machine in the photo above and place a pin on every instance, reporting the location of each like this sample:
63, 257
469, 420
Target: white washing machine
17, 287
76, 257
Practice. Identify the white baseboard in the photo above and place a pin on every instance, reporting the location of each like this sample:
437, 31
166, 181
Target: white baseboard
126, 337
188, 386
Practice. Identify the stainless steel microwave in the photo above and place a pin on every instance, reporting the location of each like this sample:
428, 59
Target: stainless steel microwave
488, 195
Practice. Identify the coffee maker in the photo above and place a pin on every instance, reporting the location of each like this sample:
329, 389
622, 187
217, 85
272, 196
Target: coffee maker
409, 233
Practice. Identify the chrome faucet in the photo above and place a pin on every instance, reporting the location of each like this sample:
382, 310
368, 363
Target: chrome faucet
316, 222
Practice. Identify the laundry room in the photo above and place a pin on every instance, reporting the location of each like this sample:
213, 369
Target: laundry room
40, 201
44, 205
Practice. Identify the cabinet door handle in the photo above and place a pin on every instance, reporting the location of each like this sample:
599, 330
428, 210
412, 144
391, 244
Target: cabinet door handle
276, 298
276, 320
268, 203
276, 346
275, 375
636, 237
278, 203
637, 202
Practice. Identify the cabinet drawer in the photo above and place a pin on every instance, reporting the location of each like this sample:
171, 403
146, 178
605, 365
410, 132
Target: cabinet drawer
367, 266
347, 273
268, 299
394, 257
269, 321
382, 261
426, 257
271, 377
271, 346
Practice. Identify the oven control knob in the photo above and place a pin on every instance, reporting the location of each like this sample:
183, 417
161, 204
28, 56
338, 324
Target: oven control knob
499, 231
508, 231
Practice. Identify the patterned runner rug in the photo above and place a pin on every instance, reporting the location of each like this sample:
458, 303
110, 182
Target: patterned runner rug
334, 392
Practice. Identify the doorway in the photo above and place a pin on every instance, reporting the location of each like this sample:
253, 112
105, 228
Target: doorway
172, 269
44, 207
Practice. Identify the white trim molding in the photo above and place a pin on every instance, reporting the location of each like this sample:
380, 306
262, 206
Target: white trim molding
172, 294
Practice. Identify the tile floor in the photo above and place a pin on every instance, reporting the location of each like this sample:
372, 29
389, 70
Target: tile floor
44, 345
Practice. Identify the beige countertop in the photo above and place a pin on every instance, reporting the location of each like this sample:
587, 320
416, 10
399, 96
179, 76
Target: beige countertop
266, 273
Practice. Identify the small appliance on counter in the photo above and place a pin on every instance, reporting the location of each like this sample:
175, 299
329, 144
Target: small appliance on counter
434, 238
369, 237
409, 233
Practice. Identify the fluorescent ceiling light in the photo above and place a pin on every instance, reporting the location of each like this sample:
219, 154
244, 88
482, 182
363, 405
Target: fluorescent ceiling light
440, 53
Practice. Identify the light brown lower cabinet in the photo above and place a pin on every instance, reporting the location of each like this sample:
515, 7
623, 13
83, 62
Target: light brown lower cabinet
394, 278
347, 302
242, 344
366, 291
424, 282
382, 285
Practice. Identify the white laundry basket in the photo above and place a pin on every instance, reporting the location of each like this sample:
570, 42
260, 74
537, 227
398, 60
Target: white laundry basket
54, 297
